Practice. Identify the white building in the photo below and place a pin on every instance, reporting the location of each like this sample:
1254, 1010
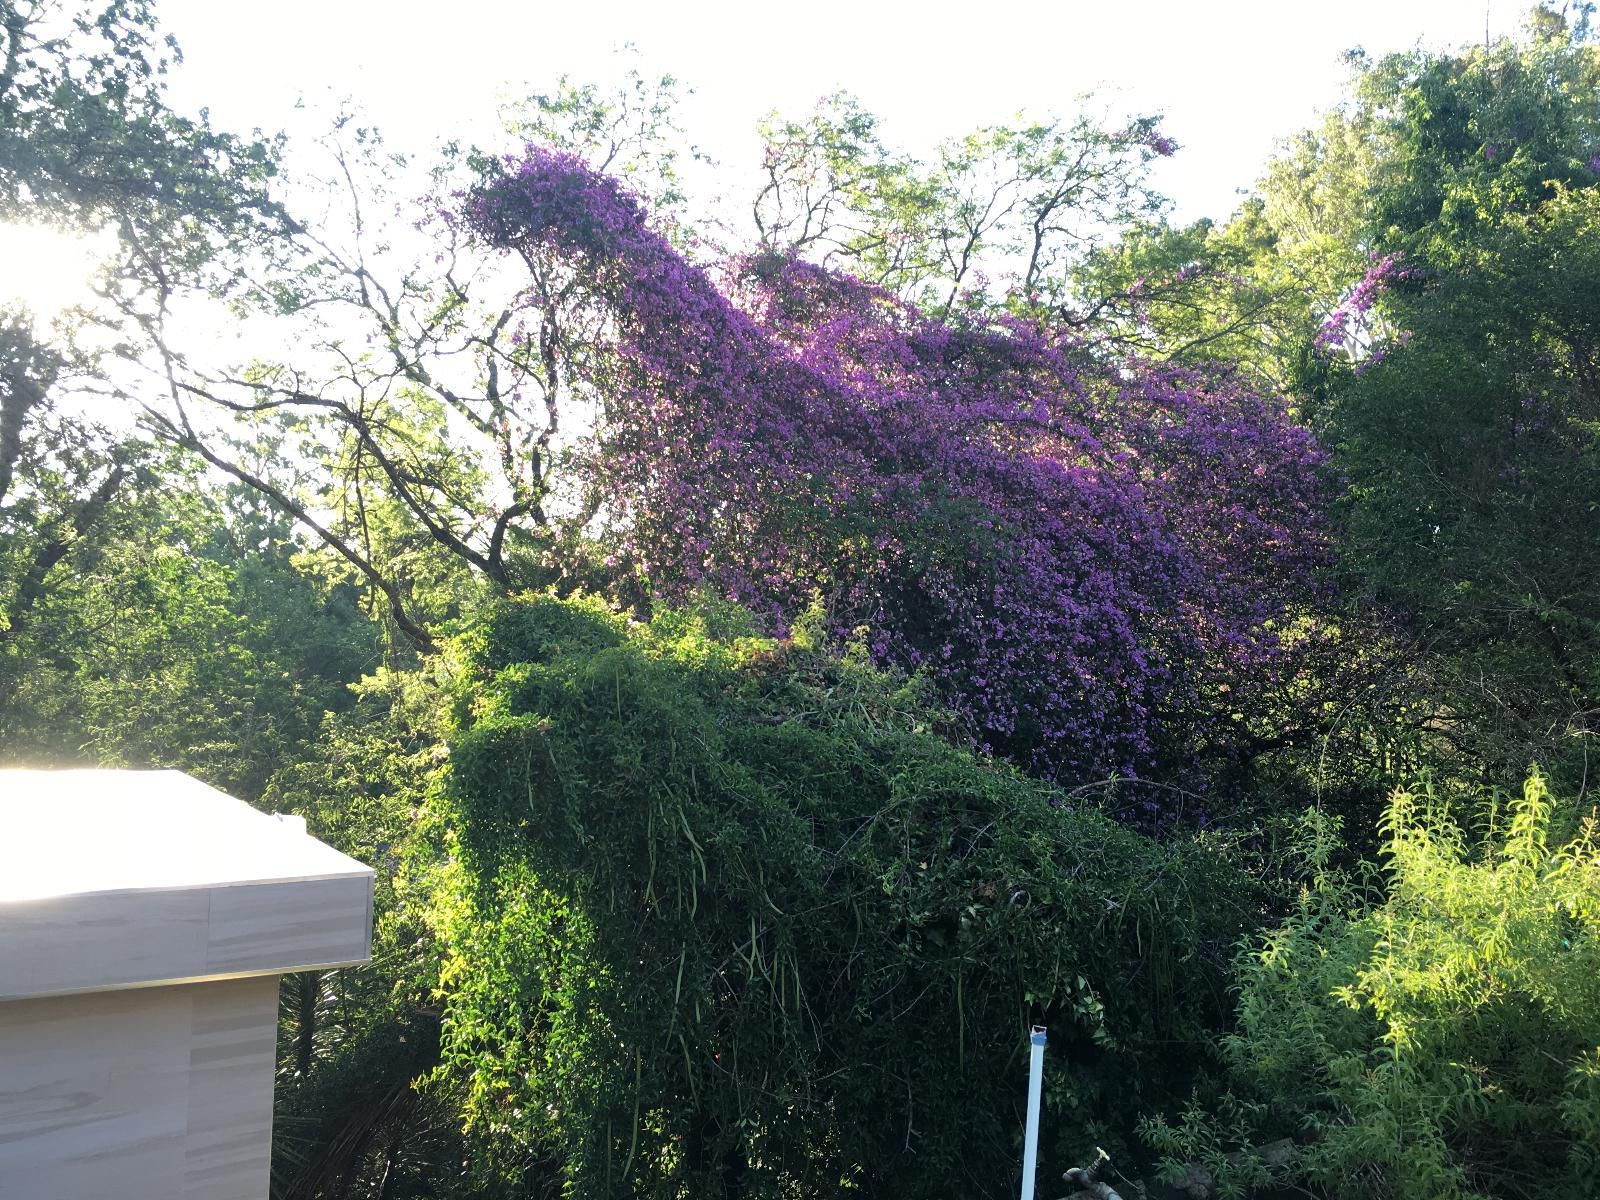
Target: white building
144, 921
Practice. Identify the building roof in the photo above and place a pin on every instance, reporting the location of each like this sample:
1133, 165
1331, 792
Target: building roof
133, 878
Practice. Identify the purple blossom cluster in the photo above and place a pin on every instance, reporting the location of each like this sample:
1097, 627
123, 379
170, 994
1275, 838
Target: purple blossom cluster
1340, 324
1144, 133
1075, 552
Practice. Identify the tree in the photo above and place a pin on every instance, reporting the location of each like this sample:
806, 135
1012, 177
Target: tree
451, 392
1464, 419
57, 478
1000, 213
1253, 290
87, 142
1416, 271
359, 1110
183, 637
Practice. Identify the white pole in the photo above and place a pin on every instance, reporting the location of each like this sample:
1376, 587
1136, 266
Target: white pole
1030, 1144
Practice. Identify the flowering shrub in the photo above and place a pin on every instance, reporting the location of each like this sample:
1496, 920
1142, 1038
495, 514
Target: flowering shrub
1074, 552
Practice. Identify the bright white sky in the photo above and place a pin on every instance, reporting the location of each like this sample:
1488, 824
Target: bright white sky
1231, 75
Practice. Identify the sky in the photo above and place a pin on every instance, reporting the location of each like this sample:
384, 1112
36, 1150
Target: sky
1232, 76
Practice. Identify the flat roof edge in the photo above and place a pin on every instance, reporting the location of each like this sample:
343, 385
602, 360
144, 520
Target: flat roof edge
219, 977
105, 941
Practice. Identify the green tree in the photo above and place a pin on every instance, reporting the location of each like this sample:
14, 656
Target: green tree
1000, 212
1250, 291
181, 638
430, 397
88, 143
1468, 428
1418, 272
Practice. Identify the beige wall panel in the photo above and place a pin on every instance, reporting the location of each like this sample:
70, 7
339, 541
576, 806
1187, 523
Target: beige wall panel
94, 1095
149, 1094
227, 1150
70, 943
288, 926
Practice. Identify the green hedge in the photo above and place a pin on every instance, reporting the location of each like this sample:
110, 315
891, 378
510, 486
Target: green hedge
733, 918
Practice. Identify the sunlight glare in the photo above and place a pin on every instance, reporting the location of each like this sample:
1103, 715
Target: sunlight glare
48, 270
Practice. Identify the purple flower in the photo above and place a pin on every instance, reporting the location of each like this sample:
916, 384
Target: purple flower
1074, 552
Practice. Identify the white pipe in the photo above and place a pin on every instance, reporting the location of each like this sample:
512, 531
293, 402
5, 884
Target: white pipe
1030, 1143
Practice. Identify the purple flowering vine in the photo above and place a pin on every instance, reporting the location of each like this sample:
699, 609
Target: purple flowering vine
1339, 328
1074, 552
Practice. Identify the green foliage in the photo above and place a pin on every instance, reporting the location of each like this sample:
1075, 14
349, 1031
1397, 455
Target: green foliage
1474, 137
87, 140
1250, 291
1429, 155
998, 215
1439, 1040
1462, 407
1471, 437
131, 630
172, 635
58, 477
1197, 293
354, 1117
734, 920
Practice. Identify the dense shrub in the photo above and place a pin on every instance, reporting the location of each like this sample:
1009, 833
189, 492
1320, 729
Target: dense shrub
734, 919
1439, 1041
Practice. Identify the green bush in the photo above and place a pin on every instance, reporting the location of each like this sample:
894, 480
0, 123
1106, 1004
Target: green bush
353, 1121
1440, 1040
734, 919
